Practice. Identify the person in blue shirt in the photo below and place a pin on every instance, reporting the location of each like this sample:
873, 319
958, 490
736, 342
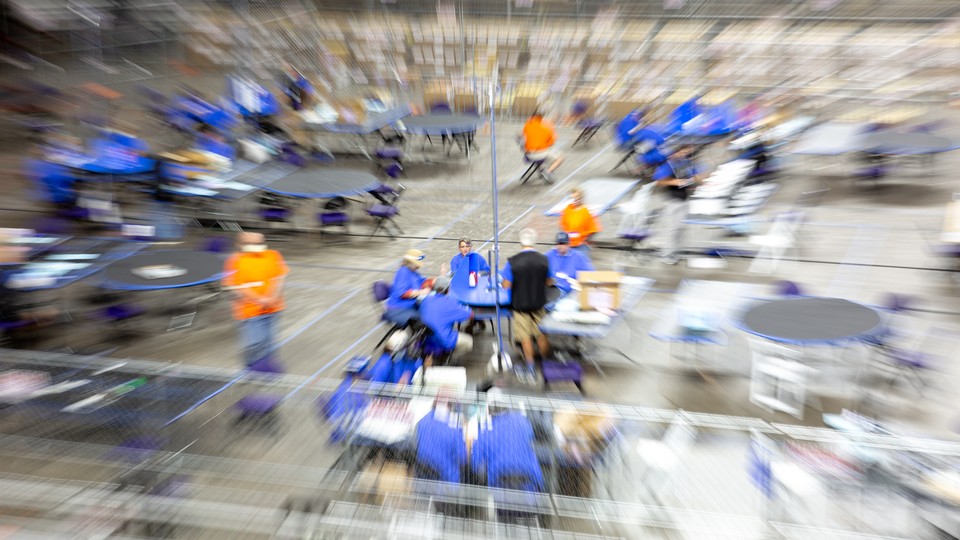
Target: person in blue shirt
680, 175
296, 87
440, 447
394, 366
59, 186
504, 451
212, 141
406, 289
566, 262
465, 245
441, 314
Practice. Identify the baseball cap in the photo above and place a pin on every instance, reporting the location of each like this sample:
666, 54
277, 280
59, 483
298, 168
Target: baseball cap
414, 256
563, 238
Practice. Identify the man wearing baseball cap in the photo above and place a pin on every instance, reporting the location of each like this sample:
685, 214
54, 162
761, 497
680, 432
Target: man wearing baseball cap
407, 283
566, 262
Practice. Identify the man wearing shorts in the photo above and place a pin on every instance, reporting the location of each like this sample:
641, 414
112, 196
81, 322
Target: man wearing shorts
539, 137
527, 275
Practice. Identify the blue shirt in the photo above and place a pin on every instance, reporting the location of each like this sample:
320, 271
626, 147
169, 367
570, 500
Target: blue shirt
441, 447
458, 259
404, 280
571, 263
506, 449
390, 371
440, 314
214, 146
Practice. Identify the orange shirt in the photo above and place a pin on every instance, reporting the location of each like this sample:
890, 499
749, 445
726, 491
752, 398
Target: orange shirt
578, 223
263, 267
538, 135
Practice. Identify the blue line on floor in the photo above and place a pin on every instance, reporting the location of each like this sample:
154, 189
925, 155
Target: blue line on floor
205, 399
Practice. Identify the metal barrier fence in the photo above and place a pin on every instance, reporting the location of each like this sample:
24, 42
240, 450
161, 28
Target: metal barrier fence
306, 469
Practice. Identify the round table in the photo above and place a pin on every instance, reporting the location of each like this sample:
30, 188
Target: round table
906, 143
441, 124
201, 267
324, 183
810, 320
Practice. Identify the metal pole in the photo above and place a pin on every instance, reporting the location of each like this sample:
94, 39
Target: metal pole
496, 222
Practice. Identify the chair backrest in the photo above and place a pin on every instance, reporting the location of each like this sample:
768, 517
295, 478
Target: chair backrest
381, 290
335, 204
393, 170
636, 211
788, 288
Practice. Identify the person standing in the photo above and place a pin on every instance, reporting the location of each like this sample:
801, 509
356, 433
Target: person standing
680, 176
256, 274
527, 276
577, 221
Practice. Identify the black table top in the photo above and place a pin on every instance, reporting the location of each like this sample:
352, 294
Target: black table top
439, 124
201, 267
324, 183
803, 320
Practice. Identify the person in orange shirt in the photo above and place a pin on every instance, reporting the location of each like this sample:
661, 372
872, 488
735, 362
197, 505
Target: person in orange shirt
255, 274
539, 136
577, 221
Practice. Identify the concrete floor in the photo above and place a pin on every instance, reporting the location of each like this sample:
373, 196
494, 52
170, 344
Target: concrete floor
861, 242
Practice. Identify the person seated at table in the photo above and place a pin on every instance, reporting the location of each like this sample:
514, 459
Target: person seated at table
539, 138
503, 453
394, 365
296, 87
407, 287
577, 221
465, 245
566, 262
441, 314
56, 182
680, 176
441, 451
211, 140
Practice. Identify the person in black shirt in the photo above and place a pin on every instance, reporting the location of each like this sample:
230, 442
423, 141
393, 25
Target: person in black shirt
680, 176
527, 275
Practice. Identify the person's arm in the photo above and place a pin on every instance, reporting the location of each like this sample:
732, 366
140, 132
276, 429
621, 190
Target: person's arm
507, 276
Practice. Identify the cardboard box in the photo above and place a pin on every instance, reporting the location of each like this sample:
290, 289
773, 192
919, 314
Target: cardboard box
599, 290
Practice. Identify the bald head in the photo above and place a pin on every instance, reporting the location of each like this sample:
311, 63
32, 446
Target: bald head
251, 241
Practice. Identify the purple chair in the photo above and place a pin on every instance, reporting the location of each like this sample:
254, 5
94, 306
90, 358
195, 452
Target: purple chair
334, 214
393, 170
275, 214
216, 244
554, 371
588, 128
384, 213
390, 152
257, 406
441, 108
788, 288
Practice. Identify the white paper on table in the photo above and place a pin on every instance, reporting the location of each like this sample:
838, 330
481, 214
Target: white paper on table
159, 271
140, 231
73, 257
599, 299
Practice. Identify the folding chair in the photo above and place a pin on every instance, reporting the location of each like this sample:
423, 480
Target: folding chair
384, 214
634, 228
334, 215
778, 381
779, 240
536, 167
